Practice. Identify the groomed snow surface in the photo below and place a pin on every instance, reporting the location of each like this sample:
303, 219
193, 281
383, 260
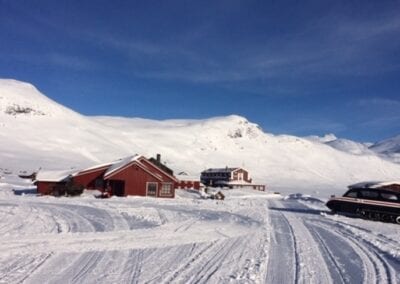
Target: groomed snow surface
250, 237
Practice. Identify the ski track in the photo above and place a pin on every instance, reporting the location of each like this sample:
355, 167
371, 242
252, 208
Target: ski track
283, 266
380, 266
225, 259
310, 266
289, 243
346, 257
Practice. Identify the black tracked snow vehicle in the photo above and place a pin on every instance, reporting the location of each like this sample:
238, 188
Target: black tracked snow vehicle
378, 201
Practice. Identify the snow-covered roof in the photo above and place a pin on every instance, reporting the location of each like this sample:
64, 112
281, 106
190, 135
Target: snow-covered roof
120, 164
188, 178
373, 184
54, 176
239, 182
99, 166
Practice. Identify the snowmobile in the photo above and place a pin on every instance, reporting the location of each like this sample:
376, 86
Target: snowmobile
379, 201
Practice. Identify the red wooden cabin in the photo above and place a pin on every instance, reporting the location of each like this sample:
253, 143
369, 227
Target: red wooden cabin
134, 175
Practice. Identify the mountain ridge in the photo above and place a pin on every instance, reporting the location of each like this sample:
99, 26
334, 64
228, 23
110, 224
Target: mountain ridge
62, 138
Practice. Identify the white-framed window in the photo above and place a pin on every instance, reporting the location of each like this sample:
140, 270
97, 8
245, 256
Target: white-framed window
152, 189
166, 189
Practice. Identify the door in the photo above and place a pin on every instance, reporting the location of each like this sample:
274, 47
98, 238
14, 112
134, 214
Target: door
117, 187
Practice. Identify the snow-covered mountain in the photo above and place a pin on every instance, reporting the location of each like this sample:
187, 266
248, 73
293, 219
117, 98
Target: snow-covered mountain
344, 145
387, 146
388, 149
37, 132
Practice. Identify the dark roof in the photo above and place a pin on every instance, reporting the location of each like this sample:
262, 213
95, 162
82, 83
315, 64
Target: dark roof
389, 186
160, 165
220, 170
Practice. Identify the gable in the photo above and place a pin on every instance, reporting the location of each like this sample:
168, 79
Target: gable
157, 170
127, 166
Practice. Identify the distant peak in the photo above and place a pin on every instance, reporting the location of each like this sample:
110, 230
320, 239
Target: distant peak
17, 84
22, 99
329, 137
324, 139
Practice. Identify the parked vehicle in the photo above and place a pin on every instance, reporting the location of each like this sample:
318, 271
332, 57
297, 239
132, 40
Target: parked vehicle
378, 201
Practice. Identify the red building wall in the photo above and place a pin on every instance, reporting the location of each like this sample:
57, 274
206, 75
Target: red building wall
45, 188
187, 184
87, 180
245, 175
136, 180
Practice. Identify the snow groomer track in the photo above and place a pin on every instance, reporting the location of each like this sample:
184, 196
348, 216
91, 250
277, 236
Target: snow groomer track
248, 238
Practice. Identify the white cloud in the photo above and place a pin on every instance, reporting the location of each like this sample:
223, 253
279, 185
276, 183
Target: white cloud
70, 61
379, 102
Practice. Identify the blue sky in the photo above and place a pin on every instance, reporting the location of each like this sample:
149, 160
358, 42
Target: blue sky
294, 67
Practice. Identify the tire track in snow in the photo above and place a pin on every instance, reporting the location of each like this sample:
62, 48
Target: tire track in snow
390, 244
215, 260
282, 250
21, 267
188, 265
135, 270
311, 265
375, 266
75, 219
332, 256
238, 259
85, 265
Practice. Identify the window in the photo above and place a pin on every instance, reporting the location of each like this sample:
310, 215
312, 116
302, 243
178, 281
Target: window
389, 196
99, 183
369, 194
166, 189
151, 189
352, 194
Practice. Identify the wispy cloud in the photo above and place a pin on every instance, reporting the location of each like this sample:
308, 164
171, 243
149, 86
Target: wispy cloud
60, 60
377, 113
379, 103
384, 121
307, 126
329, 46
355, 48
71, 61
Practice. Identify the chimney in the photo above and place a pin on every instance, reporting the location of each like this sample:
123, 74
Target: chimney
158, 158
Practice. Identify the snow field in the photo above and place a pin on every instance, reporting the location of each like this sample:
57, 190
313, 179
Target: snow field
250, 237
47, 239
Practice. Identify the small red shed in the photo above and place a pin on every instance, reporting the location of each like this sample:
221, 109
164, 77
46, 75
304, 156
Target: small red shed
188, 182
48, 181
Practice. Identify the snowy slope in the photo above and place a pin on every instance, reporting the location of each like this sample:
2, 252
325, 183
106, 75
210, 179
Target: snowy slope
282, 160
387, 146
36, 131
388, 149
324, 139
350, 146
52, 136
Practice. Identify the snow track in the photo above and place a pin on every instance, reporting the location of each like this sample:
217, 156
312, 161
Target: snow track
342, 253
245, 239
